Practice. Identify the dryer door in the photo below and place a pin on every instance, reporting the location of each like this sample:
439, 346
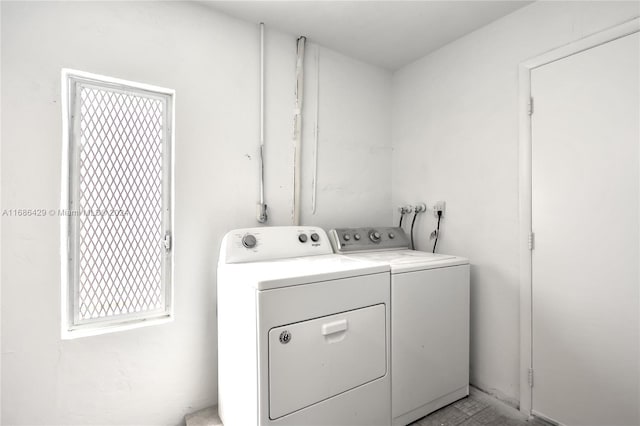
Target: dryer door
313, 360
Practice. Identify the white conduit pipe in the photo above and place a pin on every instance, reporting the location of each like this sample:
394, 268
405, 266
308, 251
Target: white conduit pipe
297, 129
316, 129
262, 207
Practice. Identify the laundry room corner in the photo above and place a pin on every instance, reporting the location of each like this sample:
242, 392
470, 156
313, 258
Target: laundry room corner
455, 138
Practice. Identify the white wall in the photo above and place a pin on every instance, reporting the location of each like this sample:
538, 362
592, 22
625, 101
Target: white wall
455, 138
157, 374
354, 152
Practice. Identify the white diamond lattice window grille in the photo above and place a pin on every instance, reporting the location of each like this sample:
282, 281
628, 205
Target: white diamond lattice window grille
117, 212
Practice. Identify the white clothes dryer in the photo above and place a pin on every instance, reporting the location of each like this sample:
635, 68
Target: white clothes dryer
303, 334
429, 319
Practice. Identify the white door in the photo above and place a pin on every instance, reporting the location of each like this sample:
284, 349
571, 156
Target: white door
585, 216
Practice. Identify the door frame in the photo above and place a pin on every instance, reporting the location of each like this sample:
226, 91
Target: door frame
525, 188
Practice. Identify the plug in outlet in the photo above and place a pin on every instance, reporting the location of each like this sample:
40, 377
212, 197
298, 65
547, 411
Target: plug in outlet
421, 207
405, 209
439, 206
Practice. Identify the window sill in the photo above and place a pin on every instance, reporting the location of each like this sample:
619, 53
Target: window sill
96, 329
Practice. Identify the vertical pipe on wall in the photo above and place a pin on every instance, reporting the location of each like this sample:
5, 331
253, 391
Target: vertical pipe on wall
297, 129
314, 182
262, 207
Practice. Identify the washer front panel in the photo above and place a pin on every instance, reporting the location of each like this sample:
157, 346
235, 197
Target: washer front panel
430, 342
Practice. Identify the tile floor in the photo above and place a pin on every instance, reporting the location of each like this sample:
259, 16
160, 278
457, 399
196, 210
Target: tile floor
478, 409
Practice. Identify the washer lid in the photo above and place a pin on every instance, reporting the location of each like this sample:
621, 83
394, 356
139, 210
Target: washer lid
410, 260
298, 270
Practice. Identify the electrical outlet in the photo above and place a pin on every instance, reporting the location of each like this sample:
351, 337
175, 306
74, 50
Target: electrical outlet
439, 206
421, 207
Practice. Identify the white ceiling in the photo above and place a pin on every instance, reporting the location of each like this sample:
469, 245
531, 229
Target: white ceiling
389, 34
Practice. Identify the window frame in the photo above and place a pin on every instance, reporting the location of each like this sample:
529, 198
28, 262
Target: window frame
71, 325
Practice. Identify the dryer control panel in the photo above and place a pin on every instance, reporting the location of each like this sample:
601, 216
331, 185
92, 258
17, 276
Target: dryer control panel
345, 240
273, 242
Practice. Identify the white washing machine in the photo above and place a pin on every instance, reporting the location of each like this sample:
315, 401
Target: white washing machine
303, 334
429, 319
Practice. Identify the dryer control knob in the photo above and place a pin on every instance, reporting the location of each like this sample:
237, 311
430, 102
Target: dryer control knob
374, 236
315, 237
346, 237
302, 238
392, 235
356, 237
249, 241
285, 337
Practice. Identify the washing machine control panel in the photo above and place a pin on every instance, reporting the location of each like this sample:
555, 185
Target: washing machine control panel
362, 239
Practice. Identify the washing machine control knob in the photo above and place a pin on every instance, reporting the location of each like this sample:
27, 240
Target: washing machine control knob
302, 238
374, 236
315, 237
356, 237
392, 235
249, 241
346, 237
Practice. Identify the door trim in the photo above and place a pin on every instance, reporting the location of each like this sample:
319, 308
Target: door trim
525, 178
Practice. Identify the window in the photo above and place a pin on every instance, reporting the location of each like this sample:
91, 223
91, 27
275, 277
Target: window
116, 212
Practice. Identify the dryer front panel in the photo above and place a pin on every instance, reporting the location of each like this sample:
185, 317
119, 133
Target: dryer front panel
311, 361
